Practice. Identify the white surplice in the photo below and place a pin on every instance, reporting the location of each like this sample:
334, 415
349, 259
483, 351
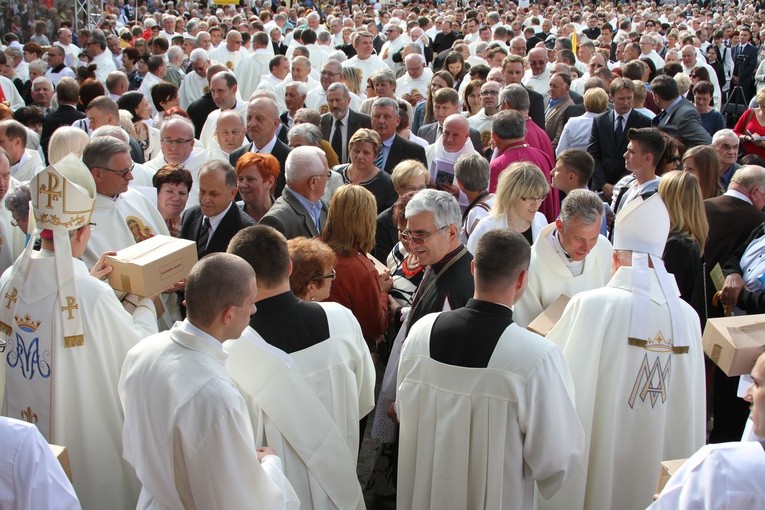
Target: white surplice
250, 70
310, 413
549, 278
725, 475
192, 88
71, 392
12, 239
481, 437
639, 403
230, 59
186, 429
208, 130
112, 216
28, 166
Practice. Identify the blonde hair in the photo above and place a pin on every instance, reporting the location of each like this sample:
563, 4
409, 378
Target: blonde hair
708, 164
365, 135
126, 123
352, 78
596, 100
681, 194
406, 172
518, 181
760, 97
351, 221
66, 140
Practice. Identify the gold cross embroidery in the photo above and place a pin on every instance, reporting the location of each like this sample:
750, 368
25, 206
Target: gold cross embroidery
11, 298
71, 304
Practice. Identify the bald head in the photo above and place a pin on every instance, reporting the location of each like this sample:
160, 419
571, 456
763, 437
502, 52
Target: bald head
456, 132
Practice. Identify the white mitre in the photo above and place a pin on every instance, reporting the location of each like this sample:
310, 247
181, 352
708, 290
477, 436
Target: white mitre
63, 197
642, 227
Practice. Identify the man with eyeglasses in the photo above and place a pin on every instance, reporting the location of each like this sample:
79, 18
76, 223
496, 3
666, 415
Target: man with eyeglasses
331, 72
300, 210
726, 143
56, 67
96, 48
254, 66
481, 121
116, 203
231, 53
318, 355
537, 78
395, 41
413, 85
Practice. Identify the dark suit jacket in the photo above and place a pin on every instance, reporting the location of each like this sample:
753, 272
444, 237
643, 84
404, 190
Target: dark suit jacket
608, 155
199, 110
428, 133
575, 110
289, 217
279, 48
64, 115
356, 121
280, 152
536, 107
401, 150
745, 70
233, 221
685, 124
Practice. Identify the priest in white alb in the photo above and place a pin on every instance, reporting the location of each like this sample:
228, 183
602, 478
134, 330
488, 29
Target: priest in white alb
67, 337
443, 154
254, 66
229, 53
635, 354
486, 407
570, 256
307, 376
194, 84
224, 89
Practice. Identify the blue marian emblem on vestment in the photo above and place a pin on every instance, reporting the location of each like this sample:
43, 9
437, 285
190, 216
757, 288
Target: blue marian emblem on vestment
27, 355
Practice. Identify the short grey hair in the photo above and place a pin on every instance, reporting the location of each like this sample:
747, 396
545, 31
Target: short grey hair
38, 65
299, 85
309, 132
445, 208
749, 176
338, 55
339, 86
472, 171
385, 75
516, 96
386, 102
414, 47
583, 205
723, 133
100, 150
218, 165
177, 119
199, 54
113, 131
17, 201
508, 125
303, 163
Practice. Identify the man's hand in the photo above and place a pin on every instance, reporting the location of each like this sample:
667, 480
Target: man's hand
385, 280
454, 190
392, 412
732, 288
100, 269
181, 285
262, 452
608, 190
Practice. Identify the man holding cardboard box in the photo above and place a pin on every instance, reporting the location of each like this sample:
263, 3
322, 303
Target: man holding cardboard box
634, 349
67, 336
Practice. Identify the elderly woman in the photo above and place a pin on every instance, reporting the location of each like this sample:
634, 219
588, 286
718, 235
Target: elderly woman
408, 176
520, 192
66, 140
256, 175
313, 268
363, 148
173, 183
576, 132
405, 269
17, 202
688, 229
148, 137
350, 232
703, 163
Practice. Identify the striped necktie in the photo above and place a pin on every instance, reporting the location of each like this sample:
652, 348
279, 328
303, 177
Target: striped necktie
379, 160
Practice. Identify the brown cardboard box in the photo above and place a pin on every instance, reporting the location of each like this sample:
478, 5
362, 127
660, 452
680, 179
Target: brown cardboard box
547, 319
62, 455
733, 343
668, 468
151, 266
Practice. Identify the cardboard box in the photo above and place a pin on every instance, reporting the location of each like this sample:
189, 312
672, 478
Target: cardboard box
667, 469
151, 266
62, 455
733, 343
547, 319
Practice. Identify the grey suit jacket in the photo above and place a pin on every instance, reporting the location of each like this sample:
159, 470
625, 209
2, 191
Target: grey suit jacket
554, 118
685, 124
289, 217
428, 133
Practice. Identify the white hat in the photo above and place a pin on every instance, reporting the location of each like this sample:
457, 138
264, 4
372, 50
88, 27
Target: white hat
642, 227
63, 198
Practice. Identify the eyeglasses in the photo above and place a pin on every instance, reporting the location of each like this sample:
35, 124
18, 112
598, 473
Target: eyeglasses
490, 93
176, 143
121, 173
408, 237
534, 199
327, 175
329, 276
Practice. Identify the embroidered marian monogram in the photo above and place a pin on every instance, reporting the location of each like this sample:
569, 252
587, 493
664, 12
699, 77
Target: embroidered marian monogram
27, 355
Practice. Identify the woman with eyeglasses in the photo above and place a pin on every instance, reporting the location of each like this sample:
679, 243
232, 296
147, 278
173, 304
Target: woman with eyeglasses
350, 231
671, 159
313, 268
521, 190
405, 269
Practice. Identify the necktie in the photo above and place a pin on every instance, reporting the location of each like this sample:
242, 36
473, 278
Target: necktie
619, 132
379, 159
204, 237
337, 140
660, 118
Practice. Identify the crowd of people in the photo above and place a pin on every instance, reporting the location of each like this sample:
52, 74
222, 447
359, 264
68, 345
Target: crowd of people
384, 200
